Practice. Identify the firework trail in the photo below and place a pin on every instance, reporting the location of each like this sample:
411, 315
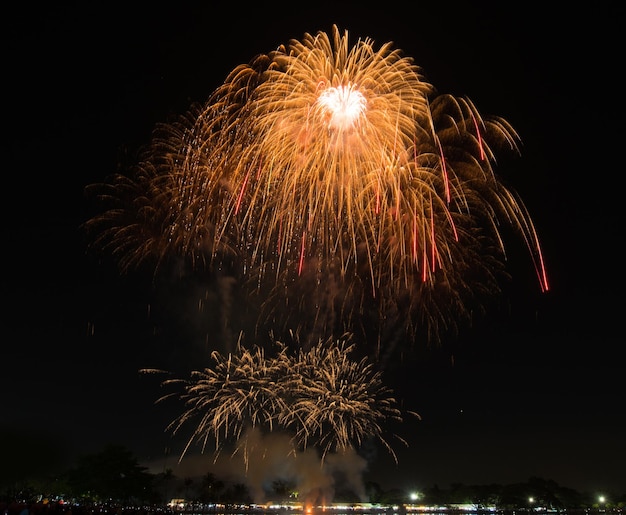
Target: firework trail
322, 397
335, 180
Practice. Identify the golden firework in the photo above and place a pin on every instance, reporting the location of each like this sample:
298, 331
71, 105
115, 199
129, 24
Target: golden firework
323, 397
320, 163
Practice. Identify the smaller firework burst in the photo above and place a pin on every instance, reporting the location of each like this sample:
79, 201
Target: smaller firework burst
322, 397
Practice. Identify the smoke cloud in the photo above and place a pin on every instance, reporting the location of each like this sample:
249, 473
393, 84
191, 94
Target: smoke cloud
259, 460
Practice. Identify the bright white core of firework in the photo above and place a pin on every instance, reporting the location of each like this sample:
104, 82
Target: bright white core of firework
342, 105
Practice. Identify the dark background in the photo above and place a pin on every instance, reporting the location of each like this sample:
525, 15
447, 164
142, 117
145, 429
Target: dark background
535, 389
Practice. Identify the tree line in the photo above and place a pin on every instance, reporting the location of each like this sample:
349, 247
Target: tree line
115, 475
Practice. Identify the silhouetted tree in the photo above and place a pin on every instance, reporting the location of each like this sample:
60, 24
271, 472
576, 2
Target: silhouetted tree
164, 485
211, 488
188, 484
237, 493
434, 495
374, 492
112, 474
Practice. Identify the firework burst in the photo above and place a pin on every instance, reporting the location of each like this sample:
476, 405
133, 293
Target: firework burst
339, 402
322, 397
323, 163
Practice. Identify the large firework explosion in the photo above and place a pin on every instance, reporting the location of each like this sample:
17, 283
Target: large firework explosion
342, 194
323, 397
336, 182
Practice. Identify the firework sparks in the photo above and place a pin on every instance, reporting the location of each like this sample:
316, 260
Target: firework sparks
322, 396
323, 159
338, 401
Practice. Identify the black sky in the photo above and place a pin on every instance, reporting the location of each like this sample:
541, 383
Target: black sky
536, 389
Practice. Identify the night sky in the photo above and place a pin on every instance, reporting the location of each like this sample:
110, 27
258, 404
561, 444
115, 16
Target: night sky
534, 388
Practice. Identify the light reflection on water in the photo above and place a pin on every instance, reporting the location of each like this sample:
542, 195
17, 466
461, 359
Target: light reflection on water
381, 511
391, 511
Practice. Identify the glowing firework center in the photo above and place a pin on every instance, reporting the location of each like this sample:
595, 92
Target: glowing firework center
342, 106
